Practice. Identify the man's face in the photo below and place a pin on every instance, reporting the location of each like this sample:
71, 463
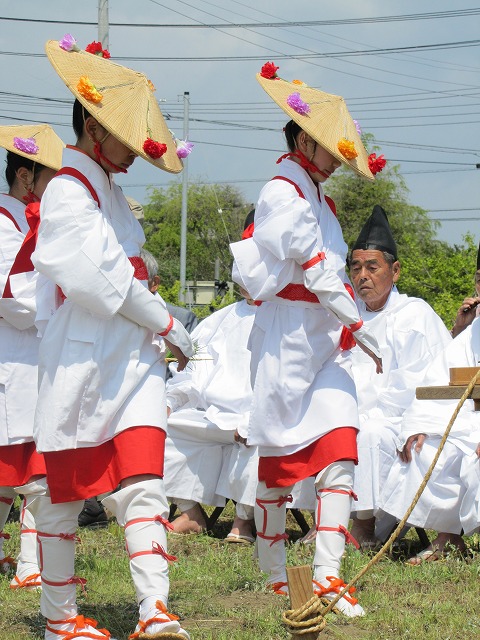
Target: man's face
373, 277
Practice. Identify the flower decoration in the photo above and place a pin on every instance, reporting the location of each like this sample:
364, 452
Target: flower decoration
154, 149
68, 43
151, 86
184, 148
269, 71
27, 145
295, 102
358, 127
376, 164
347, 149
299, 82
97, 49
88, 90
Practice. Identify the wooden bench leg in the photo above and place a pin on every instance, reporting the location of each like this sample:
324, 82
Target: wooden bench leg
300, 519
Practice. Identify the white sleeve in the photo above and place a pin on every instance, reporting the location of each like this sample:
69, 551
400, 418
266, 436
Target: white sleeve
78, 250
150, 311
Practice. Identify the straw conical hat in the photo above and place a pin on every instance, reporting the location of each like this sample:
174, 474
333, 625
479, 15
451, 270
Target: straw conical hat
127, 107
37, 142
327, 121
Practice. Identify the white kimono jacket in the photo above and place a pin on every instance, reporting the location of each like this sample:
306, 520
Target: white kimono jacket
100, 369
18, 338
209, 400
451, 498
409, 334
303, 386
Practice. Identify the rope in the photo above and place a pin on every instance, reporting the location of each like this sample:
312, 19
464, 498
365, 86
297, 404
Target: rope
290, 617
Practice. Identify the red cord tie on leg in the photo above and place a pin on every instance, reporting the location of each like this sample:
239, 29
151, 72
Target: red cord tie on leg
79, 623
143, 624
157, 518
157, 549
278, 537
336, 585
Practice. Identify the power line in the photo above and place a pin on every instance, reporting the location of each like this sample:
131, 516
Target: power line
262, 25
441, 46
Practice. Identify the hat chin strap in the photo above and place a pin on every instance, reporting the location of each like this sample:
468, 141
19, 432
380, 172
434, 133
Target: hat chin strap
304, 162
97, 150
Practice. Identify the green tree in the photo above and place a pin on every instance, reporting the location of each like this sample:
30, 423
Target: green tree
216, 214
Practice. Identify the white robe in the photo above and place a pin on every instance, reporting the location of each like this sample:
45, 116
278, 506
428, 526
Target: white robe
303, 386
451, 498
18, 339
409, 334
209, 400
100, 369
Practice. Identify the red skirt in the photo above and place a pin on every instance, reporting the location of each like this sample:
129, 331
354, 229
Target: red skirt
285, 471
19, 463
78, 474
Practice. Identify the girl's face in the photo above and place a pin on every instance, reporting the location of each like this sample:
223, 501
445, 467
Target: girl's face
325, 162
317, 155
117, 153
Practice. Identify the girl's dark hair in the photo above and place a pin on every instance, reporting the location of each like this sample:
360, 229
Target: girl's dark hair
15, 162
80, 114
292, 129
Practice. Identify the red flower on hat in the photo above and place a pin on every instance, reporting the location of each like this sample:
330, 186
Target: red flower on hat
269, 71
97, 49
376, 164
154, 149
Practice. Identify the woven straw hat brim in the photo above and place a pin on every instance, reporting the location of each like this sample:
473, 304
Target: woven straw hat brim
128, 108
327, 122
50, 146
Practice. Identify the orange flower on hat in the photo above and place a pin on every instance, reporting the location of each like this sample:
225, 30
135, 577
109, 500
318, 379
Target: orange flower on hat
88, 90
151, 86
300, 82
347, 149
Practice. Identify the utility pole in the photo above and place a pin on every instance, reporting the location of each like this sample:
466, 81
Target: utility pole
183, 225
103, 23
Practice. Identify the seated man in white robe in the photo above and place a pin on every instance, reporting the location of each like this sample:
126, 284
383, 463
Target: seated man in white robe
409, 334
450, 502
207, 403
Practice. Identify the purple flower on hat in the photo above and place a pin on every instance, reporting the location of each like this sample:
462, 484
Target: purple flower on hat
358, 127
297, 104
68, 43
27, 145
184, 148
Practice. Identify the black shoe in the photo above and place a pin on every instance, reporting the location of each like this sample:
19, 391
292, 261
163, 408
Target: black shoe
92, 515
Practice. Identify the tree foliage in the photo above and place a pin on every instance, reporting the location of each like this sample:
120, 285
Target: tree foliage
215, 217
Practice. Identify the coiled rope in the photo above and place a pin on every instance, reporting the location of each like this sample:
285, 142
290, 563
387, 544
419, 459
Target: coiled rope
297, 620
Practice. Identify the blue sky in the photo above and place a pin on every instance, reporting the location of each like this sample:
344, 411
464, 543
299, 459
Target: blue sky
422, 104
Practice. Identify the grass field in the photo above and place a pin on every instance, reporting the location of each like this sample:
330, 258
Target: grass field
218, 591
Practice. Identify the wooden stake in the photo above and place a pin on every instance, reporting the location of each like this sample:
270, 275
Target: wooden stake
300, 589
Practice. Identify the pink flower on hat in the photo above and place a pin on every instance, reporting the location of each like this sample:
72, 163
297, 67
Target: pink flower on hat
295, 102
68, 43
27, 145
184, 148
